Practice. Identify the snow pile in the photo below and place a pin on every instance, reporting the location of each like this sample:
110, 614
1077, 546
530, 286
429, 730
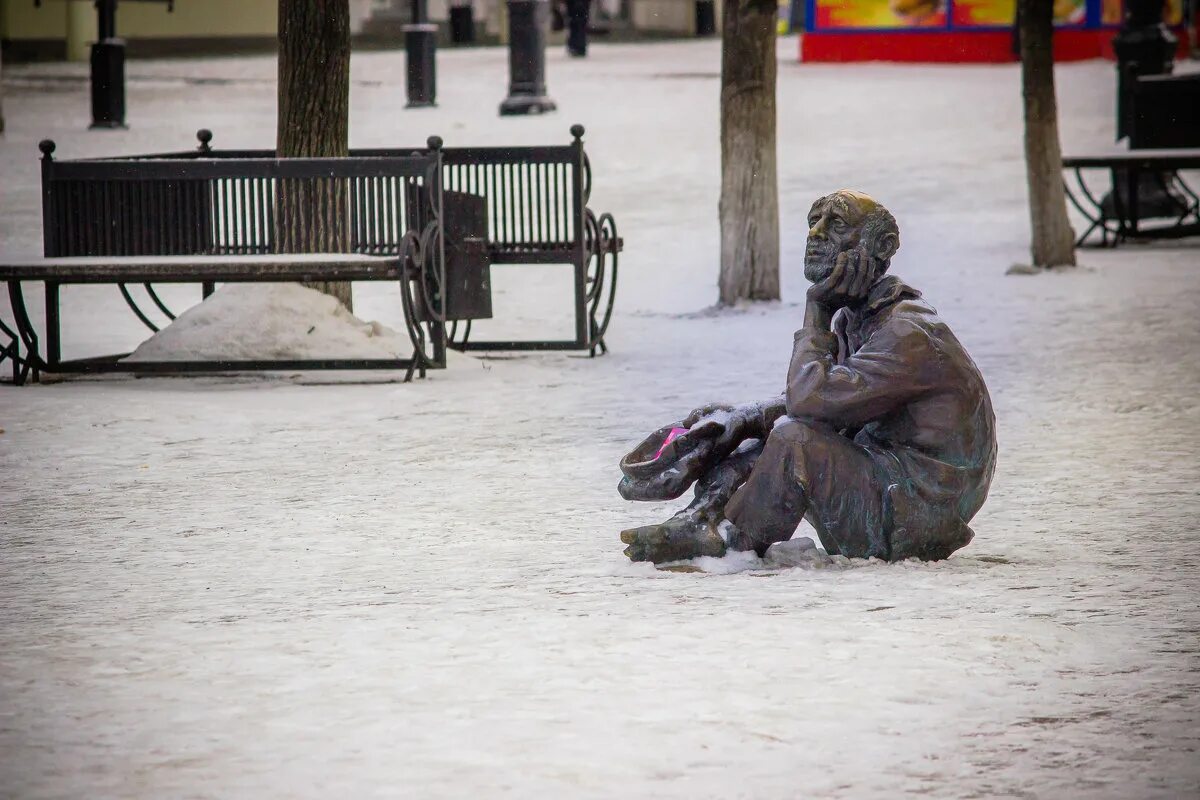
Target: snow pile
243, 321
798, 552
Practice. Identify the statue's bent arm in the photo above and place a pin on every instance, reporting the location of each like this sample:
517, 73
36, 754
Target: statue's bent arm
890, 369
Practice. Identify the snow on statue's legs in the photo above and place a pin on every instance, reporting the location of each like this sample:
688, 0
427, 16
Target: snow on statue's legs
806, 467
759, 495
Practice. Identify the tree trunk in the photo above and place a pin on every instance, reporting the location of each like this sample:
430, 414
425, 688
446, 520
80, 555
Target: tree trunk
749, 210
1053, 240
312, 216
1, 104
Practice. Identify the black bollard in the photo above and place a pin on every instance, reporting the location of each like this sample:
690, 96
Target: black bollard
706, 17
420, 51
462, 23
526, 59
108, 70
578, 12
1143, 46
420, 47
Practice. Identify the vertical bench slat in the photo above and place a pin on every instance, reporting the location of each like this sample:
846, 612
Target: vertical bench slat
526, 211
105, 221
355, 215
187, 217
253, 215
243, 215
162, 217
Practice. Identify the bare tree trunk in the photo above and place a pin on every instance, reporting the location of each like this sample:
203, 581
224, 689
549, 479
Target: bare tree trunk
1053, 240
749, 210
312, 216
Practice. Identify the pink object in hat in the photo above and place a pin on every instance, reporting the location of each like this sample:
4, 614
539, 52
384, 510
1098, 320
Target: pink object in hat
672, 436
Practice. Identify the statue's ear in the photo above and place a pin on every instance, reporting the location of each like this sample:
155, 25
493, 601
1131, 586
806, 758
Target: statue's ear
886, 245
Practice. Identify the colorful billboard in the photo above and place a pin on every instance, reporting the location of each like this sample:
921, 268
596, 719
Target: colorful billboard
1001, 13
884, 15
879, 14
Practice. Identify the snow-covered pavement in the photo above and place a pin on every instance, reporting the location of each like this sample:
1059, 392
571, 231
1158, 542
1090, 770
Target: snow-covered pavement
306, 588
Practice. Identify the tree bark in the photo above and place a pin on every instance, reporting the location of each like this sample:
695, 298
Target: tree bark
312, 216
1, 104
749, 209
1053, 239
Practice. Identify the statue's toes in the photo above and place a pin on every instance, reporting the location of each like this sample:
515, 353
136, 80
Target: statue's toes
645, 542
645, 535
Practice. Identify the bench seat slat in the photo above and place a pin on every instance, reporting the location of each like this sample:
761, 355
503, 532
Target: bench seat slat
1151, 159
192, 269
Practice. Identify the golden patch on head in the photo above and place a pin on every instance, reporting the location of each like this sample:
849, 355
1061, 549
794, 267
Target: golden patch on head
866, 204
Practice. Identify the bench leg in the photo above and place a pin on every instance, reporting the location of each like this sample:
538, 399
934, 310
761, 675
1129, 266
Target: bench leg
53, 332
12, 352
31, 365
1095, 216
602, 292
1132, 177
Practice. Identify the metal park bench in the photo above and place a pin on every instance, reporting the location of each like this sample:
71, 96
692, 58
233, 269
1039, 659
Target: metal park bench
535, 211
500, 205
208, 221
1134, 174
1160, 115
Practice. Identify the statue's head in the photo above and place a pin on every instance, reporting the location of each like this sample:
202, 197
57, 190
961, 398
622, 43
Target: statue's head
842, 221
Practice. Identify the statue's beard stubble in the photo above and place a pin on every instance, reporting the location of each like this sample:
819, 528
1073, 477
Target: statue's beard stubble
818, 262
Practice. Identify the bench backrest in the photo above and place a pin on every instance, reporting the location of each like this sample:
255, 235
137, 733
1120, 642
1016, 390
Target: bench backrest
1163, 111
225, 202
234, 204
536, 196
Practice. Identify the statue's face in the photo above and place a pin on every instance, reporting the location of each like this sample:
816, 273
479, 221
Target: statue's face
835, 224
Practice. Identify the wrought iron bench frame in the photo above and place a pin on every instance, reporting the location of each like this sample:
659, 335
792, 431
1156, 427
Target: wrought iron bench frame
1126, 169
118, 214
429, 350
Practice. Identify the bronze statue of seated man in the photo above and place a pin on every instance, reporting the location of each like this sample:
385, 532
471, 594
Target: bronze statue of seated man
884, 439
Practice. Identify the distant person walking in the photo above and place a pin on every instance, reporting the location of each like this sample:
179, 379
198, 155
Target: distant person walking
577, 25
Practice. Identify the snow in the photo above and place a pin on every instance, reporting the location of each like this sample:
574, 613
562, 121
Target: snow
719, 418
270, 321
299, 587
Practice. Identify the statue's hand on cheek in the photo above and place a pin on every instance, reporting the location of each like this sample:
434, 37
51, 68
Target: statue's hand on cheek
848, 282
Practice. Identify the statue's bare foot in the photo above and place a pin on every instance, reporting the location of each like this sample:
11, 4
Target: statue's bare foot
682, 536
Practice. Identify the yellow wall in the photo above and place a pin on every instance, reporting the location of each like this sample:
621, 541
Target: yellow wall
19, 19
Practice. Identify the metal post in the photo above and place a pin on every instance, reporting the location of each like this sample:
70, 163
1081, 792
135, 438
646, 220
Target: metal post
578, 12
437, 328
420, 51
526, 59
706, 17
49, 215
579, 209
462, 22
53, 330
108, 70
1143, 46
